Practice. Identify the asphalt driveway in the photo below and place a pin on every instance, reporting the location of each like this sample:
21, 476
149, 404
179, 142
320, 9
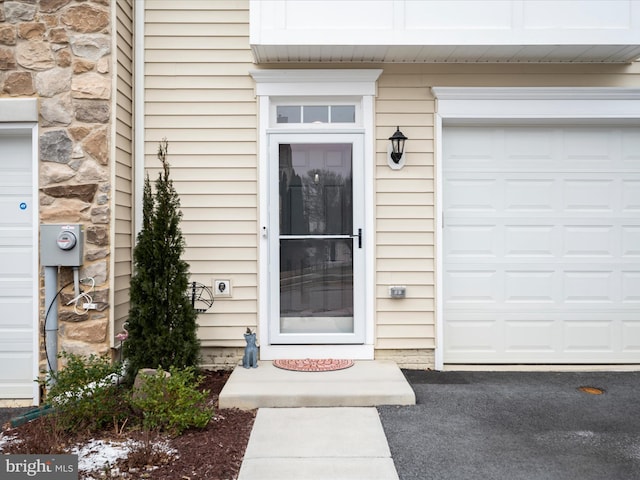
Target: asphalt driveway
512, 426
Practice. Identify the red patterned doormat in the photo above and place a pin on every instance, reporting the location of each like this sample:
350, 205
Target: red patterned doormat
313, 364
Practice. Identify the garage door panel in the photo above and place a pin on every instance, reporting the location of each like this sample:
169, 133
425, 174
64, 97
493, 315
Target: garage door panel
17, 381
599, 196
13, 260
12, 215
631, 288
16, 314
16, 341
603, 241
479, 149
587, 287
472, 286
536, 195
630, 148
594, 146
529, 240
473, 334
525, 144
630, 241
464, 194
541, 260
530, 336
590, 336
15, 236
631, 336
526, 286
631, 196
15, 287
472, 241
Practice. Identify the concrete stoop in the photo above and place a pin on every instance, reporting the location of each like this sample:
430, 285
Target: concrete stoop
367, 383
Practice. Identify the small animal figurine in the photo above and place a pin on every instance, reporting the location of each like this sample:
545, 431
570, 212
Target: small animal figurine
250, 358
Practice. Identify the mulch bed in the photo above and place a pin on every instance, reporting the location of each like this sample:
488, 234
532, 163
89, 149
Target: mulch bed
212, 453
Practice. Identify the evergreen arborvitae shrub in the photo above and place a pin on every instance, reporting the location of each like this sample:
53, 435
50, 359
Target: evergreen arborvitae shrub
162, 322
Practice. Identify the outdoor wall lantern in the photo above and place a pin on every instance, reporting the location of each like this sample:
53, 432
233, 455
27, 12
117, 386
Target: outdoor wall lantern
396, 150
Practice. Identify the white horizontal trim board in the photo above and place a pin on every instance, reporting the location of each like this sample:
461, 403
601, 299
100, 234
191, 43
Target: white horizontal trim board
315, 82
19, 110
549, 104
546, 107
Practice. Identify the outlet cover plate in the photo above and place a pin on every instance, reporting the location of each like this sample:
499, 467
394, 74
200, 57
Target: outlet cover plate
222, 288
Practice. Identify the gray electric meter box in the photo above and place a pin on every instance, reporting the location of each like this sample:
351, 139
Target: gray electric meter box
61, 245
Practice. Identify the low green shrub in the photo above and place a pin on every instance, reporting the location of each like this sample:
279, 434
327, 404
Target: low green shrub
85, 393
172, 403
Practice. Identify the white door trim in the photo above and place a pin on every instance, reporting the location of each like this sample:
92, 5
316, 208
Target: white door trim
361, 84
22, 115
464, 105
359, 254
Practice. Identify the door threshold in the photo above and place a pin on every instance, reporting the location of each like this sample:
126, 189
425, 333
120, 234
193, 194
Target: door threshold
291, 352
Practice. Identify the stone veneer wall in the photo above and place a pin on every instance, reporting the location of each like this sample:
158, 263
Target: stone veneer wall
60, 52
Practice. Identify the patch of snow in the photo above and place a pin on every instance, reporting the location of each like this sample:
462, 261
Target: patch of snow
5, 439
99, 455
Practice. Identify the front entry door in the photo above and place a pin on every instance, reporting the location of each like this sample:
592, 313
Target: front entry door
316, 239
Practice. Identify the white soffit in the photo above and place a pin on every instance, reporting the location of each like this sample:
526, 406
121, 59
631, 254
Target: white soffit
443, 31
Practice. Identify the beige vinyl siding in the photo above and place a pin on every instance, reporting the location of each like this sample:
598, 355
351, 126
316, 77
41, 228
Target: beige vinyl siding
405, 216
198, 95
123, 234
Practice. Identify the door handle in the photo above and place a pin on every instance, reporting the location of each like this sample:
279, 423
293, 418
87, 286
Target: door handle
359, 235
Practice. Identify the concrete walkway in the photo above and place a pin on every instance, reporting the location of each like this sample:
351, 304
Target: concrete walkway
317, 444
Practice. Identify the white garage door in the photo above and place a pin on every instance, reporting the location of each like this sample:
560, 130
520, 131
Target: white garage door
17, 270
541, 260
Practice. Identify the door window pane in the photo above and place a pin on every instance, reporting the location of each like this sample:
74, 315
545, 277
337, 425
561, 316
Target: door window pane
316, 114
316, 285
343, 114
288, 114
316, 189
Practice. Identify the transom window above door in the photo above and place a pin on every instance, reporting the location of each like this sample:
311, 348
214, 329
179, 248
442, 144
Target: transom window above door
316, 114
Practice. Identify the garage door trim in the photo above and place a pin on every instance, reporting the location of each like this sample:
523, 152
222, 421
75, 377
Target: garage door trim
469, 105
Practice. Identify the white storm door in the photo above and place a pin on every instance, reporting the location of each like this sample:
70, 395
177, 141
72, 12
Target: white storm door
17, 269
316, 245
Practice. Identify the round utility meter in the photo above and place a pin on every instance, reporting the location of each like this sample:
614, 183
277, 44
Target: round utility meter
66, 240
